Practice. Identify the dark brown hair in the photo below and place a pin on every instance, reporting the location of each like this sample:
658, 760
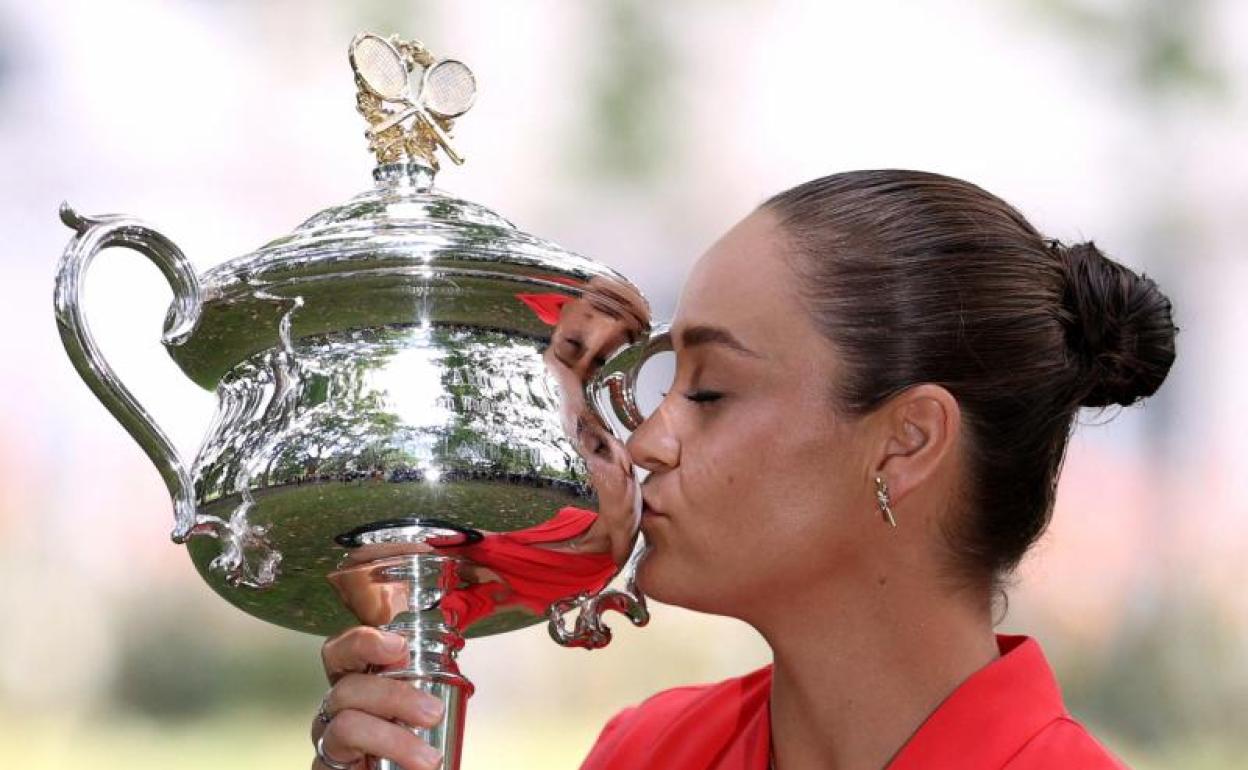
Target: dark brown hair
917, 277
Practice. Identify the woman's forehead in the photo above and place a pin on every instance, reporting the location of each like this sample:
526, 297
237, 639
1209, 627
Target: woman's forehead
743, 282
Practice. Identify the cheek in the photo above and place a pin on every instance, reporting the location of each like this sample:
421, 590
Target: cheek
719, 506
774, 483
770, 453
767, 502
726, 473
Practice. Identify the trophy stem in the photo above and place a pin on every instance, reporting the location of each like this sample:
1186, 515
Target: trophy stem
409, 589
413, 174
431, 649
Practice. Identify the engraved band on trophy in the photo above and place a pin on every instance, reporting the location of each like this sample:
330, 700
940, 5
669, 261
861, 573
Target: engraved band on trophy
412, 400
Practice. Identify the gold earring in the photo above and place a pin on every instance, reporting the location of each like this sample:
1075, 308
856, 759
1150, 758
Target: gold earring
881, 499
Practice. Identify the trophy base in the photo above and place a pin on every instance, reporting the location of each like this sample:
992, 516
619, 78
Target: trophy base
442, 681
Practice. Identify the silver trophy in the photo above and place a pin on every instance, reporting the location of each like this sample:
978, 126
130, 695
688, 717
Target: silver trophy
417, 405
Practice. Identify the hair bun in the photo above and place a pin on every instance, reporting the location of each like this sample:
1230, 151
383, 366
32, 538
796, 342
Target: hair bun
1118, 324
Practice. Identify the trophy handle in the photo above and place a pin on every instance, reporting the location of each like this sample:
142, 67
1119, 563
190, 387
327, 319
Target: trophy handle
93, 234
590, 632
613, 389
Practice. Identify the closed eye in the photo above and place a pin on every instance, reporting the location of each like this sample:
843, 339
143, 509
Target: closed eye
704, 396
700, 396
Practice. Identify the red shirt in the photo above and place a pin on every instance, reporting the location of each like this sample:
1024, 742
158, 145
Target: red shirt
1009, 714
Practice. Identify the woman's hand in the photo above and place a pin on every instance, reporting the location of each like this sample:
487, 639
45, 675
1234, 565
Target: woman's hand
363, 708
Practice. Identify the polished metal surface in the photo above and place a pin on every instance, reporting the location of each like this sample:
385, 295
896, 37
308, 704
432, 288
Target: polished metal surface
94, 234
407, 355
417, 406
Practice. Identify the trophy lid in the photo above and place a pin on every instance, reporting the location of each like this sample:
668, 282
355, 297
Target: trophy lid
401, 252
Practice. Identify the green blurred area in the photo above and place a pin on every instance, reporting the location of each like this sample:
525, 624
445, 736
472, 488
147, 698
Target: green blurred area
247, 740
171, 668
244, 739
186, 694
263, 734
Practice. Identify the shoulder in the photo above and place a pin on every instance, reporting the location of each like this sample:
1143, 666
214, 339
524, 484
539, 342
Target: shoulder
1064, 742
722, 713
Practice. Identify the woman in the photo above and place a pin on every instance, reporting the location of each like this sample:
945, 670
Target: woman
877, 373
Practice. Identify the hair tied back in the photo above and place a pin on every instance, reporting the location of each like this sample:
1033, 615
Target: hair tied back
1118, 326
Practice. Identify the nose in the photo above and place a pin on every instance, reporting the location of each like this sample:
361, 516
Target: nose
654, 445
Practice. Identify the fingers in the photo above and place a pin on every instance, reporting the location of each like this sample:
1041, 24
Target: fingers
358, 648
353, 735
363, 709
385, 698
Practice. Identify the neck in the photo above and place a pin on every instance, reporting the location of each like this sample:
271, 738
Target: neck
859, 668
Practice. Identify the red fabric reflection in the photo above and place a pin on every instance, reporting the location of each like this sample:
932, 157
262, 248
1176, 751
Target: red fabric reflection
532, 576
546, 307
1008, 714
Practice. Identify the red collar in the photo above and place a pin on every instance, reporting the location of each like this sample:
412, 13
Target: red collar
984, 723
991, 715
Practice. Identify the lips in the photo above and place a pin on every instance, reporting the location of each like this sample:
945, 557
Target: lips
648, 508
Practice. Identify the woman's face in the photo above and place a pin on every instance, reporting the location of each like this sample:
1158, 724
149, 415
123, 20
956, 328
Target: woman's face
756, 486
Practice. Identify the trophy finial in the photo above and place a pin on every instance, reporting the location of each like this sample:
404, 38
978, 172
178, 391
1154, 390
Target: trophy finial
409, 98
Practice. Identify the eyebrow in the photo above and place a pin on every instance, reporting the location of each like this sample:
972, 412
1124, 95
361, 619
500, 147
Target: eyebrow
693, 336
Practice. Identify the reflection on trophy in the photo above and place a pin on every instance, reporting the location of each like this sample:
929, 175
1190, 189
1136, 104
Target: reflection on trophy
418, 405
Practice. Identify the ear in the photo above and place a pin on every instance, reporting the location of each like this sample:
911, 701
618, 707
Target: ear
919, 430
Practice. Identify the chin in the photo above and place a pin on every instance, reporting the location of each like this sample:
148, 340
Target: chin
647, 581
654, 578
663, 581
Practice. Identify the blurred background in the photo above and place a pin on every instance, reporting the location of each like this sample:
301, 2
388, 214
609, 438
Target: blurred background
635, 133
